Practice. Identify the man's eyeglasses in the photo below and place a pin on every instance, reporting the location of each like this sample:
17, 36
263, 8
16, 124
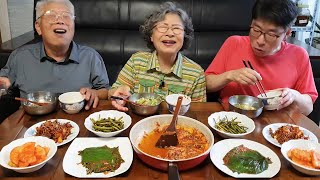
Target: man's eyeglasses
267, 36
175, 29
52, 16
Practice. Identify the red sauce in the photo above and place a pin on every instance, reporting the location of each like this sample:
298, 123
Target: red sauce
191, 143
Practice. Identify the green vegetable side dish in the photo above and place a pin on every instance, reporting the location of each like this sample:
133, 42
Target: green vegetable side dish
101, 159
230, 126
244, 160
149, 101
107, 124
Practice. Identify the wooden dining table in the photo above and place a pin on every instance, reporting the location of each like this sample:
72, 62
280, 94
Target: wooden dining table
16, 125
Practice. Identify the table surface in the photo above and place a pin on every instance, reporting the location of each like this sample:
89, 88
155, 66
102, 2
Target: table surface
15, 126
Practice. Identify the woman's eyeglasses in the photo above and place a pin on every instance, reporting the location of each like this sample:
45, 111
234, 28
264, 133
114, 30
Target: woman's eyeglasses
175, 29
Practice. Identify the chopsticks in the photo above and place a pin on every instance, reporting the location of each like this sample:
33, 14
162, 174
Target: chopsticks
262, 91
126, 100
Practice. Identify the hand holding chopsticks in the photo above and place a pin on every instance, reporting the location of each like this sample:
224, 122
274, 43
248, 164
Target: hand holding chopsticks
262, 91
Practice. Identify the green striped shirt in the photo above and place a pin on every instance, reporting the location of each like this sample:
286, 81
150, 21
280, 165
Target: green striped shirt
142, 74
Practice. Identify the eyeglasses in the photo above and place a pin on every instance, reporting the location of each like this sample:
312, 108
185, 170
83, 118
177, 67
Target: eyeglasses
267, 36
175, 29
53, 16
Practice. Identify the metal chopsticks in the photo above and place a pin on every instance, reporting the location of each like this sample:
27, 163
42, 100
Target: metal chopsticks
262, 91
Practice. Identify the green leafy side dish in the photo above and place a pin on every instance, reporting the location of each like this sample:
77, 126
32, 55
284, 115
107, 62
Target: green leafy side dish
244, 160
101, 159
149, 101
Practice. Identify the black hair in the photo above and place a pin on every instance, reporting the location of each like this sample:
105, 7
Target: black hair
279, 12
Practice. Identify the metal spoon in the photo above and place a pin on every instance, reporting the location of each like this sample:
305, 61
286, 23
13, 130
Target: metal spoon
34, 102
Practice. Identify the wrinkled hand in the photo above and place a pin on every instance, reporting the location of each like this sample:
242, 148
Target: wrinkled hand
5, 81
122, 91
244, 76
288, 97
91, 97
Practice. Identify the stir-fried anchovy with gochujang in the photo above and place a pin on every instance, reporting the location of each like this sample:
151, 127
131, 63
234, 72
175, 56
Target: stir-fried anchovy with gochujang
101, 159
286, 133
244, 160
54, 130
191, 143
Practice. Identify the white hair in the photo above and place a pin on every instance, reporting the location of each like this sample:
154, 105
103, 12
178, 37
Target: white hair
42, 3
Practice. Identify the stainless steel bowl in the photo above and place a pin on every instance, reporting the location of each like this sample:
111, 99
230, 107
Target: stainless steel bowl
245, 100
40, 96
143, 109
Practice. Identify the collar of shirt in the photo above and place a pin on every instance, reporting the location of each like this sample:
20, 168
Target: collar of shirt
72, 58
176, 69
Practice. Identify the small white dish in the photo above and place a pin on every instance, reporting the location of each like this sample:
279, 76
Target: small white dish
272, 101
172, 99
303, 145
245, 121
74, 131
221, 148
105, 114
275, 126
39, 140
72, 160
71, 102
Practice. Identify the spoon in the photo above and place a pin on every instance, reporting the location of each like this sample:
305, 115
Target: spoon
126, 100
169, 137
34, 102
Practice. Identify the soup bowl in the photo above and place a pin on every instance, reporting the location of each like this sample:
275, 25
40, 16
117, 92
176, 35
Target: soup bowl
148, 124
42, 97
172, 99
246, 105
272, 101
144, 110
71, 102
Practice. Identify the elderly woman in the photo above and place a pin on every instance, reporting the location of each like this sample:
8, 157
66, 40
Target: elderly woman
164, 70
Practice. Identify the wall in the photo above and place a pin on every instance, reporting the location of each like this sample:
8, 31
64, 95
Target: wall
20, 16
4, 21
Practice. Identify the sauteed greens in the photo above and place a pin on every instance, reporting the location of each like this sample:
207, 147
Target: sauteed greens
107, 124
230, 126
244, 160
101, 159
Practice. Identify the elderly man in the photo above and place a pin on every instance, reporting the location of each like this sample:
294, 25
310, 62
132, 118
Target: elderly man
278, 64
57, 64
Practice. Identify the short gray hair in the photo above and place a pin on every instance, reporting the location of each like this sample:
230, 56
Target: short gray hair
159, 15
42, 3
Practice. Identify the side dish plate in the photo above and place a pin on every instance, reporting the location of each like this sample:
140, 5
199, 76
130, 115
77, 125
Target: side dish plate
74, 131
266, 134
72, 160
221, 148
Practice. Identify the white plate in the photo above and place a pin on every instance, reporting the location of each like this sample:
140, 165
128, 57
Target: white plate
74, 131
71, 162
221, 148
275, 126
106, 114
244, 121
